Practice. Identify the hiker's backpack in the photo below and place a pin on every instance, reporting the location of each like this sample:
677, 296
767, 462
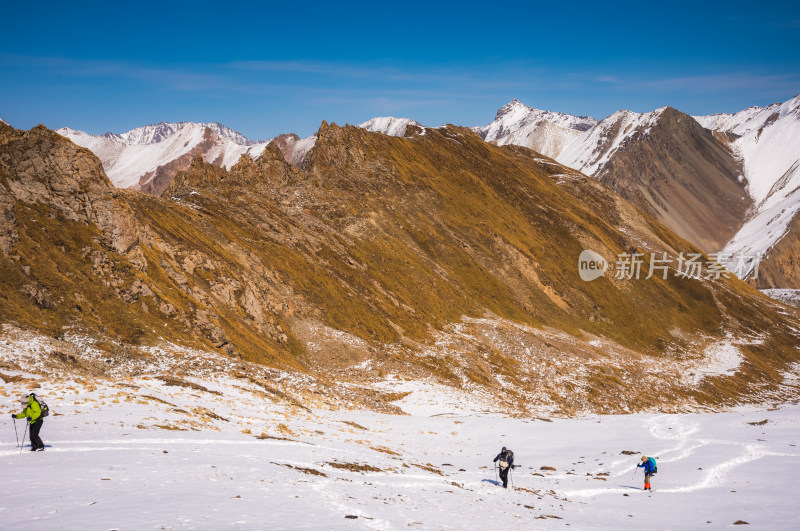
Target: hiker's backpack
655, 465
42, 406
510, 456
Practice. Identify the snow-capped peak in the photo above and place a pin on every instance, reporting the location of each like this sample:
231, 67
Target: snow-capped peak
593, 149
547, 132
155, 133
750, 118
767, 139
388, 125
515, 115
513, 106
130, 157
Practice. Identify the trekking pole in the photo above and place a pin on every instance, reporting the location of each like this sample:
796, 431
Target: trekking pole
16, 434
495, 474
23, 438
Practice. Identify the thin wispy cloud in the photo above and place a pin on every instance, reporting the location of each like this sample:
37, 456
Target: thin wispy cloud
416, 84
179, 79
477, 77
719, 83
355, 91
328, 69
391, 88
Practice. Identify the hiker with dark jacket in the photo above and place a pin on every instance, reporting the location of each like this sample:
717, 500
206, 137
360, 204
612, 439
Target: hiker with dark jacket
33, 414
506, 458
650, 468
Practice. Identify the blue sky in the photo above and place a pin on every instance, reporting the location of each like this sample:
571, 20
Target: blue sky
266, 69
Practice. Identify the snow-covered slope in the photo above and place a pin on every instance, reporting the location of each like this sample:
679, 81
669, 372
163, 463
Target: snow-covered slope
212, 450
294, 148
768, 141
129, 158
388, 125
544, 131
592, 150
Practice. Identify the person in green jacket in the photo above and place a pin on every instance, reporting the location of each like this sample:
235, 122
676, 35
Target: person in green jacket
33, 413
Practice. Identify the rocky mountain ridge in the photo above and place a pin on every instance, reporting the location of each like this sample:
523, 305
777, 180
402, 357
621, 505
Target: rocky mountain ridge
434, 257
757, 148
730, 192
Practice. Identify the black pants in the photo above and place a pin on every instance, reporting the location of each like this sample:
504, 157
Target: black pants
504, 476
36, 441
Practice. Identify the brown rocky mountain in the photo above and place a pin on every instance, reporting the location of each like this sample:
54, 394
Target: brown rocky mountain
435, 257
670, 166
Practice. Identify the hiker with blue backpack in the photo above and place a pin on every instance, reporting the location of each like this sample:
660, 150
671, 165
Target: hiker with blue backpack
34, 412
650, 469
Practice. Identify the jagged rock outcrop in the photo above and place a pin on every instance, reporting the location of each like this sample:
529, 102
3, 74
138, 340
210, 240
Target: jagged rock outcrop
40, 168
8, 223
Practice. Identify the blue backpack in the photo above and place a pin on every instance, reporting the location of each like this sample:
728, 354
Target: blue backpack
653, 463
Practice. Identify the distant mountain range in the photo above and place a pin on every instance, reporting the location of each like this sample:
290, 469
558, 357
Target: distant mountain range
148, 158
728, 183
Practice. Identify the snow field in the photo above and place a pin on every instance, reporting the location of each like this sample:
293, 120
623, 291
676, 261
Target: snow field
142, 454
